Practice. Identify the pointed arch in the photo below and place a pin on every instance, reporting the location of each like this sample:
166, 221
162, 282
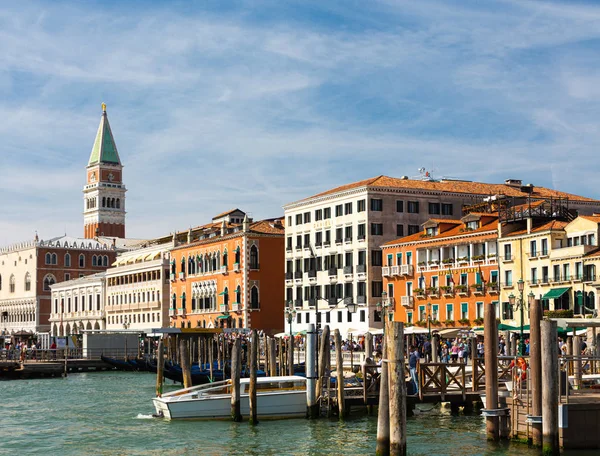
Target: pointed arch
226, 296
67, 260
254, 257
0, 282
81, 260
94, 261
11, 283
118, 203
105, 260
54, 258
238, 294
49, 279
254, 301
27, 282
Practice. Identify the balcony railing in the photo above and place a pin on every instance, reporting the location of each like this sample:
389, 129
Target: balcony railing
224, 269
361, 237
298, 303
361, 268
326, 243
181, 311
318, 244
289, 275
332, 302
338, 241
348, 270
312, 302
361, 299
406, 269
385, 271
348, 240
298, 274
182, 276
312, 274
236, 307
172, 312
332, 272
172, 277
395, 270
407, 301
288, 248
223, 308
236, 267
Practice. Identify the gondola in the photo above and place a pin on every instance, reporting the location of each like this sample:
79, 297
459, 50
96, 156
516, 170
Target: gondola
118, 364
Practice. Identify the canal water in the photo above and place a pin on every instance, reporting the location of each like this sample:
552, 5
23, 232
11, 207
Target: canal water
109, 413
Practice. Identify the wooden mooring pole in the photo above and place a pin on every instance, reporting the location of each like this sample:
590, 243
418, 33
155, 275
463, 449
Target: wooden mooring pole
272, 358
236, 413
323, 354
383, 416
397, 386
290, 355
280, 367
550, 391
535, 371
339, 368
492, 420
186, 368
312, 408
160, 365
253, 369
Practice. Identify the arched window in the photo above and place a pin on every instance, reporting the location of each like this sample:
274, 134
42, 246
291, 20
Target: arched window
237, 255
105, 260
54, 259
27, 282
173, 267
226, 296
238, 294
112, 203
254, 304
118, 203
198, 264
0, 281
183, 300
82, 260
104, 201
191, 265
11, 283
253, 257
48, 258
94, 261
49, 280
67, 260
183, 265
174, 301
225, 258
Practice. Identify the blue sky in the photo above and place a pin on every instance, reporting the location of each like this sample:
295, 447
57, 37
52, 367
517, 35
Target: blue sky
254, 104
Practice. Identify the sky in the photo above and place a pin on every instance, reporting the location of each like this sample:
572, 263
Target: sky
255, 104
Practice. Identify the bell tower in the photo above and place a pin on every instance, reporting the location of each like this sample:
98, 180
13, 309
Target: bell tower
104, 192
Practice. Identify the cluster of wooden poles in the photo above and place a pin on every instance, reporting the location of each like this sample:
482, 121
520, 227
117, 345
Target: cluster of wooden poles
544, 372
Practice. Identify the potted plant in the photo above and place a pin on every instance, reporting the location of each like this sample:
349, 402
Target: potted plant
449, 322
464, 321
478, 257
421, 323
447, 260
432, 291
446, 288
436, 323
561, 313
461, 288
478, 321
419, 291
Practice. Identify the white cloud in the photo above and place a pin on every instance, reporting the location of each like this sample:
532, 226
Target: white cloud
213, 110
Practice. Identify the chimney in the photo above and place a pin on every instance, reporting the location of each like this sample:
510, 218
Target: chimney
189, 237
174, 238
223, 228
527, 188
246, 224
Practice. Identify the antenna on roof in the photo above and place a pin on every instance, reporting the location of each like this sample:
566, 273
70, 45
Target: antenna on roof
426, 175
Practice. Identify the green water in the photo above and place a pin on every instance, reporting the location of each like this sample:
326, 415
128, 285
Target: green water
110, 413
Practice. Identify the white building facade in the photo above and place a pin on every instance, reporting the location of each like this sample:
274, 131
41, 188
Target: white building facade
333, 241
78, 305
138, 286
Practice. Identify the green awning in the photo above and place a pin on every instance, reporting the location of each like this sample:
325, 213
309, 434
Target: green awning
223, 293
556, 293
222, 317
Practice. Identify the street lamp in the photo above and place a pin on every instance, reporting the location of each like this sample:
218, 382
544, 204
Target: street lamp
382, 307
521, 306
290, 314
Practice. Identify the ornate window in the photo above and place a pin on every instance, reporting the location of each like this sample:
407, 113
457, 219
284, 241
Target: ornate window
12, 284
238, 294
105, 260
82, 260
254, 304
48, 258
67, 260
94, 261
253, 257
27, 282
49, 280
0, 281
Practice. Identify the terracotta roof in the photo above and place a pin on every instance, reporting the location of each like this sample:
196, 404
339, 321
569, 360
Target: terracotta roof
226, 213
268, 227
478, 188
551, 225
489, 229
595, 253
452, 221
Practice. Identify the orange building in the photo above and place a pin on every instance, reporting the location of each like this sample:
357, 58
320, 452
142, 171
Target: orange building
230, 275
445, 274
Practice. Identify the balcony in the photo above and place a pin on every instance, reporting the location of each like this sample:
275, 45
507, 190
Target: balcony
533, 255
182, 276
298, 275
447, 292
477, 289
318, 244
338, 241
361, 269
348, 270
172, 312
492, 288
332, 302
224, 269
288, 249
433, 292
462, 290
182, 312
406, 270
576, 277
327, 244
332, 273
172, 277
544, 253
312, 303
236, 267
312, 274
347, 240
420, 293
407, 301
289, 275
395, 270
534, 283
361, 237
385, 271
298, 248
298, 303
307, 246
236, 307
361, 300
223, 308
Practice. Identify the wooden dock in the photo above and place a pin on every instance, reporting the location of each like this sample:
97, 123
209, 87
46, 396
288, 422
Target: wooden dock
10, 370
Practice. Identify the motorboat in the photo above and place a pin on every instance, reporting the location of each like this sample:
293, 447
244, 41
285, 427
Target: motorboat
277, 397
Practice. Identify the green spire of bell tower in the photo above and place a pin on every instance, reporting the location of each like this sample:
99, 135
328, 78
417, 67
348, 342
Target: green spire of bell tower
105, 149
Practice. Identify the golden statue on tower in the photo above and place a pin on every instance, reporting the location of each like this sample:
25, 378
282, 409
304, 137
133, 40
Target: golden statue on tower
103, 107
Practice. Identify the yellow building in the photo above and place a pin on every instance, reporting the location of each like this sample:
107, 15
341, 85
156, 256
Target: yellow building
556, 260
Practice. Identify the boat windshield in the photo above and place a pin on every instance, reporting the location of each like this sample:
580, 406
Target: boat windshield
278, 386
